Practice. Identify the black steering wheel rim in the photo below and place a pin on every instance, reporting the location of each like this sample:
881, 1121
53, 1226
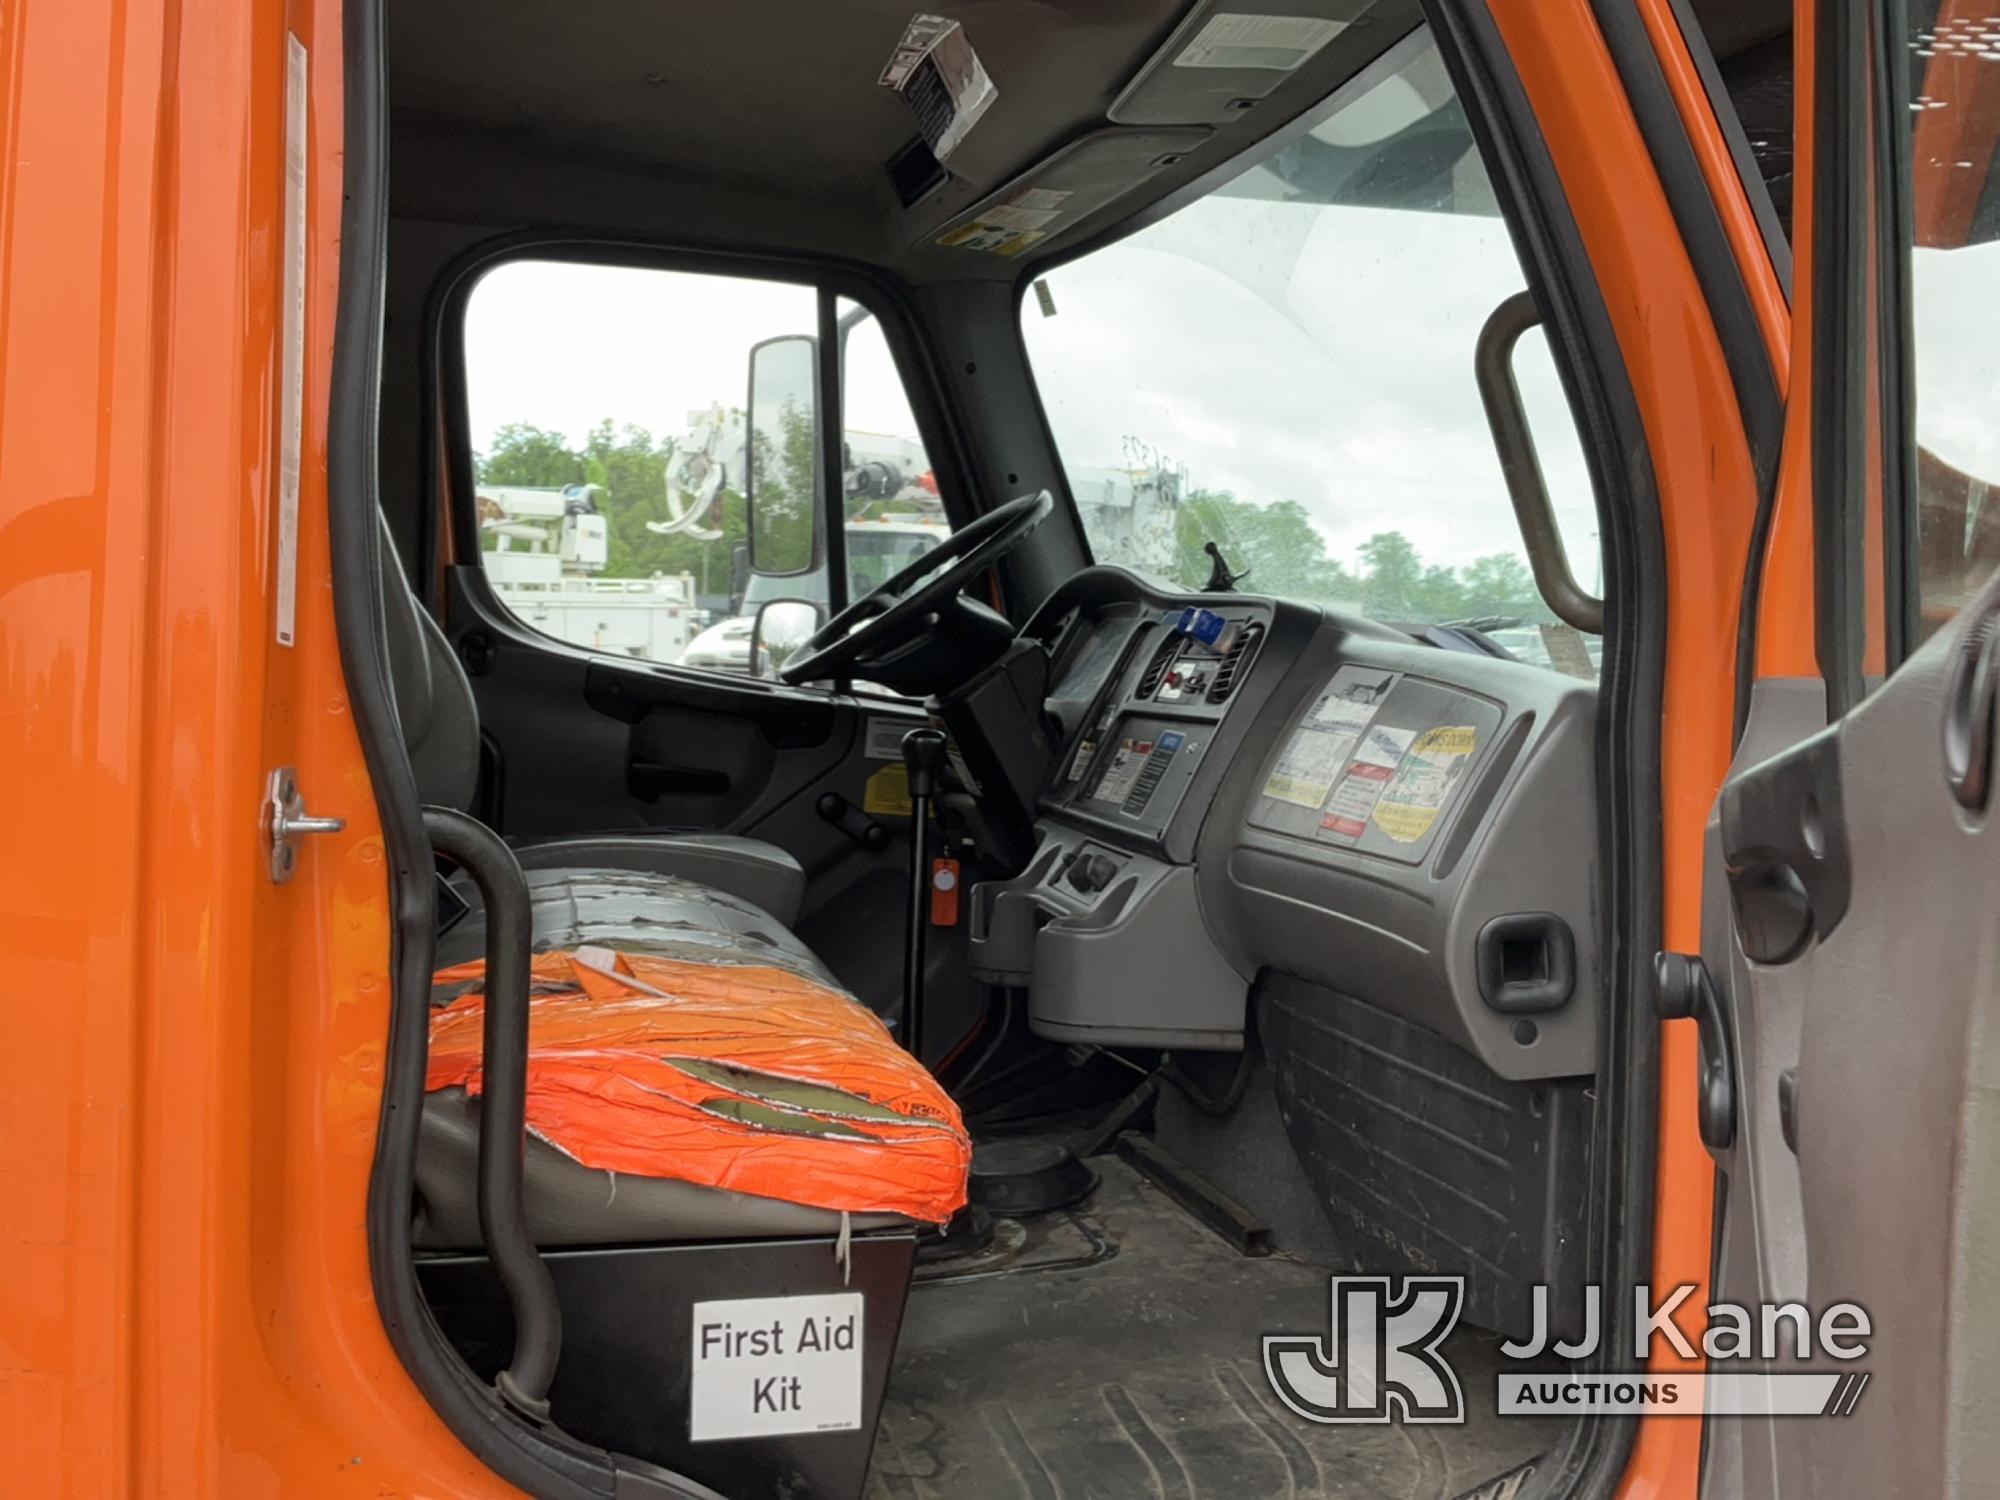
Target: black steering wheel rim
883, 619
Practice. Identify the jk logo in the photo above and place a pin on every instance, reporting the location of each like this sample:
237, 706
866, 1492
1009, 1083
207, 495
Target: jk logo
1379, 1361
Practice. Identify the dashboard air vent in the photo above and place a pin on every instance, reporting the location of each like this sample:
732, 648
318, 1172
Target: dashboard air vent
1242, 651
1149, 680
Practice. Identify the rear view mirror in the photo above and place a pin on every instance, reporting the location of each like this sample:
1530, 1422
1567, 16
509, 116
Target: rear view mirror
783, 625
781, 486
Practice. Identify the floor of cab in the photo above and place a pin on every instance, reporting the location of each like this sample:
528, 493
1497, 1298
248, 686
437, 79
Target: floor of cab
1116, 1356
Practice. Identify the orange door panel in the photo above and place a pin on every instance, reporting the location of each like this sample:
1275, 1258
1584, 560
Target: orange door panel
189, 1054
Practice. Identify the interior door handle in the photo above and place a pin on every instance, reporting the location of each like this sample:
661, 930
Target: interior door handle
1971, 706
649, 781
1683, 990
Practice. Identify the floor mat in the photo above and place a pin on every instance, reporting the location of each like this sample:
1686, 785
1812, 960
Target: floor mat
1138, 1374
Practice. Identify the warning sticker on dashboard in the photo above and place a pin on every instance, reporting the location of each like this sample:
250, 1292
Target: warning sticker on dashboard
1410, 803
1375, 762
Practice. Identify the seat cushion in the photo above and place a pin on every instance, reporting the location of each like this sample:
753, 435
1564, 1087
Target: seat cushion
571, 1204
750, 869
637, 911
717, 1064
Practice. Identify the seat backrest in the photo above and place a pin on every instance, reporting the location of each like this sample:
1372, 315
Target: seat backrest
434, 702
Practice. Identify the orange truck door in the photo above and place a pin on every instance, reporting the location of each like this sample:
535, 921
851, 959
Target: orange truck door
190, 1052
1850, 960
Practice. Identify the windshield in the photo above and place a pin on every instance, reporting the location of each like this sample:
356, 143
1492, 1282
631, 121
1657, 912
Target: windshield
1285, 367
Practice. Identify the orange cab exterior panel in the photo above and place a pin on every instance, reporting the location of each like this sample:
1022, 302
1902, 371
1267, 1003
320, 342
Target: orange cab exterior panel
190, 1055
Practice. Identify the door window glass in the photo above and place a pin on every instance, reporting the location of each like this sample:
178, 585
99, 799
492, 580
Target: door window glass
1953, 48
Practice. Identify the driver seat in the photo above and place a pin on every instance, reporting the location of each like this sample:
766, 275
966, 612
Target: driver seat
728, 897
440, 724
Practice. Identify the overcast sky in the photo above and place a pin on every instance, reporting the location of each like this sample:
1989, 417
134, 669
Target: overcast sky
1281, 351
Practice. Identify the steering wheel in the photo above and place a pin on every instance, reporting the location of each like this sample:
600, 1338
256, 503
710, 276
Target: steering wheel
907, 605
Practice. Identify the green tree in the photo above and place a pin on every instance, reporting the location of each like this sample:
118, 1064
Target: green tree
523, 454
1500, 584
1278, 543
1392, 578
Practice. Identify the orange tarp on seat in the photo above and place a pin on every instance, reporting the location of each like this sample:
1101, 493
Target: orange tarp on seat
738, 1076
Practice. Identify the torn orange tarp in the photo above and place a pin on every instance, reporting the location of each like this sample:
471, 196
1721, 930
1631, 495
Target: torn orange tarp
746, 1077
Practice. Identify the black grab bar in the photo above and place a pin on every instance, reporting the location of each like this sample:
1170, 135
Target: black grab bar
1493, 369
503, 1106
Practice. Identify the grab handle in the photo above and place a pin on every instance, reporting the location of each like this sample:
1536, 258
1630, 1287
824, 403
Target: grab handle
1493, 368
503, 1107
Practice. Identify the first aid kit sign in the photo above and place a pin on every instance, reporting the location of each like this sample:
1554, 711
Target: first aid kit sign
764, 1366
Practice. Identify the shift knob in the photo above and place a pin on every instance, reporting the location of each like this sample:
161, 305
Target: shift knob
923, 756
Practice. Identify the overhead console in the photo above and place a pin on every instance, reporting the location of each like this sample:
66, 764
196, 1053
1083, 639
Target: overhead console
1221, 79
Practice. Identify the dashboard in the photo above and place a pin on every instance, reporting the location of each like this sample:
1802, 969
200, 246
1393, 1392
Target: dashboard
1235, 787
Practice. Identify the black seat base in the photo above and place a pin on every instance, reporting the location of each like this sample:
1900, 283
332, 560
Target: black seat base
629, 1330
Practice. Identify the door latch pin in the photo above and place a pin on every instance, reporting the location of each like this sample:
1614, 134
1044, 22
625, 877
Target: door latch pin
285, 818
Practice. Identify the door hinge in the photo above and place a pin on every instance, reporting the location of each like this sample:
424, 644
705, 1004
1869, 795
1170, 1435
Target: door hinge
1684, 991
285, 818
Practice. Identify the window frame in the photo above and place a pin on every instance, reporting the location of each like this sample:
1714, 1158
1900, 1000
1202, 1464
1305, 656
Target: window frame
449, 534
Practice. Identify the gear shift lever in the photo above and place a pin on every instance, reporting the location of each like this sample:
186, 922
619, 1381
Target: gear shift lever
923, 758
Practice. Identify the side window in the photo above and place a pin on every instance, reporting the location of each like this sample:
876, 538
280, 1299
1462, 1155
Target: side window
1953, 52
1286, 368
647, 459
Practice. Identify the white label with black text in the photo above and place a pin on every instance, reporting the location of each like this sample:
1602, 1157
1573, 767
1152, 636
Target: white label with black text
763, 1366
292, 350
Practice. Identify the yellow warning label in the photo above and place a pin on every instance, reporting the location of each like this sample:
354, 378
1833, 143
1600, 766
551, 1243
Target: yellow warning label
1410, 804
995, 239
887, 794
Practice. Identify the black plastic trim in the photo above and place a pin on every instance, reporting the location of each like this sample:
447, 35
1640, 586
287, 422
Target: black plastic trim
831, 346
1590, 1456
1722, 282
1841, 240
1776, 242
1895, 233
1784, 844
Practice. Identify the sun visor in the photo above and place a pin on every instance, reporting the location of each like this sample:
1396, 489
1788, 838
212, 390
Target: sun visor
1226, 55
1056, 195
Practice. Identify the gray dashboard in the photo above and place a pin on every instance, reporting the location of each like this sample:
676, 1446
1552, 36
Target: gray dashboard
1313, 794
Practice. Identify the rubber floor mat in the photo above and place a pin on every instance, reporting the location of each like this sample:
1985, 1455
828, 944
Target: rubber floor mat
1140, 1375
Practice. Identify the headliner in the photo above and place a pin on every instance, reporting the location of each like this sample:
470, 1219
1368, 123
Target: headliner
761, 122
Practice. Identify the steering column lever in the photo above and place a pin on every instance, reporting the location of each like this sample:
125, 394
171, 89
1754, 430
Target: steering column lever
923, 758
